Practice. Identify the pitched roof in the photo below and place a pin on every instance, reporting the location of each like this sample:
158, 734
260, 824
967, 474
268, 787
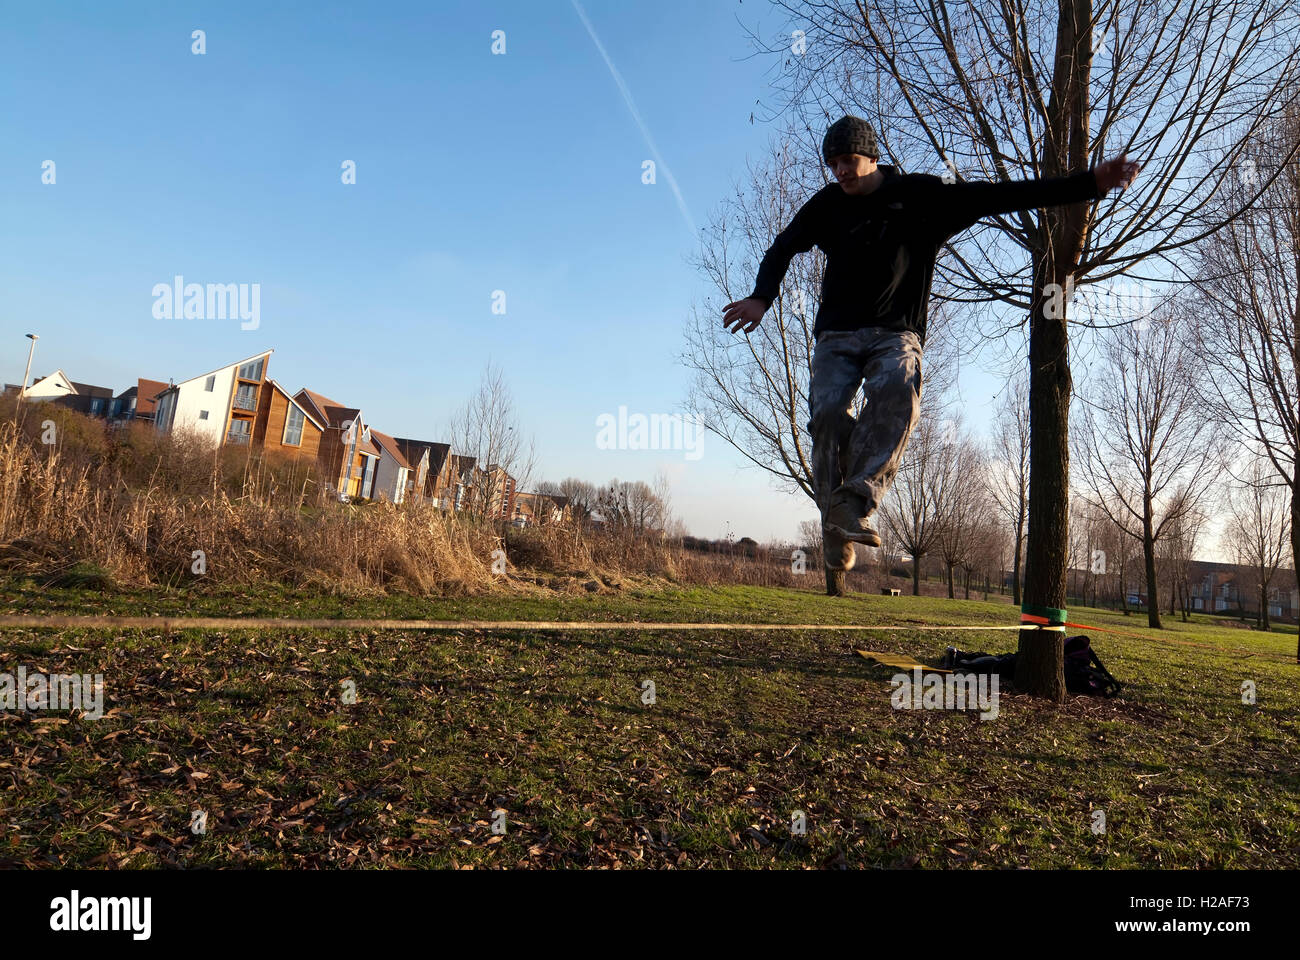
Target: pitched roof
275, 384
414, 450
331, 411
224, 366
90, 390
146, 396
50, 376
391, 446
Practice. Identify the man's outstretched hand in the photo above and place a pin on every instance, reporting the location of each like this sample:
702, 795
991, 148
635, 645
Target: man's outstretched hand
1119, 172
743, 314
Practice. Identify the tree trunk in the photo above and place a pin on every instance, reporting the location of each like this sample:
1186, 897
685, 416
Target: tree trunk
1123, 573
1295, 542
1040, 660
1040, 665
835, 583
1015, 569
1149, 555
916, 577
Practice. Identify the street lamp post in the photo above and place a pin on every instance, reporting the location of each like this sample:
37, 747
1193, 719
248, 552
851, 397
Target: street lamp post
22, 387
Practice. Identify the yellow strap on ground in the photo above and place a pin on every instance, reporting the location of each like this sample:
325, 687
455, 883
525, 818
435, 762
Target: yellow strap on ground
900, 661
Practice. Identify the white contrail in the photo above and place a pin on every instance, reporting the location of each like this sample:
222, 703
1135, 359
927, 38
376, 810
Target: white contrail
631, 106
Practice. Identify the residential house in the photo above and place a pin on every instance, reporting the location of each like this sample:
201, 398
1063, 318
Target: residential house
499, 486
1232, 588
138, 402
463, 476
221, 404
392, 475
286, 426
539, 509
58, 388
348, 455
431, 470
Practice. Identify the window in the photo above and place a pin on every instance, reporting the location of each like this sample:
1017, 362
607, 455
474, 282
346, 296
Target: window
246, 397
96, 406
211, 384
163, 412
252, 370
293, 427
203, 414
239, 431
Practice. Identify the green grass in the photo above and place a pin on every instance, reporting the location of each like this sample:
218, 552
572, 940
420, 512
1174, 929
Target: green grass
550, 726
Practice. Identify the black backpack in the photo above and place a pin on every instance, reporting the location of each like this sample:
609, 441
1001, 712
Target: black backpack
1084, 671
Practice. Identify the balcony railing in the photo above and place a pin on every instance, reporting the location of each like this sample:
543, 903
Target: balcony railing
246, 402
237, 438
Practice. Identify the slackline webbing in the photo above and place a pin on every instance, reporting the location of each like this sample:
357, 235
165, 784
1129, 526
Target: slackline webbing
168, 624
259, 623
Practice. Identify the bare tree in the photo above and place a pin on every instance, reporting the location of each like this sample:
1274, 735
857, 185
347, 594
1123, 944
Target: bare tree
1247, 320
911, 510
579, 496
1085, 521
486, 429
1146, 455
988, 547
1000, 88
1122, 556
1009, 470
963, 505
1258, 528
1176, 556
810, 536
632, 506
662, 489
1105, 554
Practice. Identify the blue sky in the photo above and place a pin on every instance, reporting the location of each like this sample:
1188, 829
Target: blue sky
474, 173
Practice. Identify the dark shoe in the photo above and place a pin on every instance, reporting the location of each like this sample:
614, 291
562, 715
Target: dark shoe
845, 519
837, 552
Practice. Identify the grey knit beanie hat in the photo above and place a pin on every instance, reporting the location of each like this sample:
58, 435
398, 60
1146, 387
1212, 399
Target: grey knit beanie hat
850, 135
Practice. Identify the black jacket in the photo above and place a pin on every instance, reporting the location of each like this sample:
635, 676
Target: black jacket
880, 248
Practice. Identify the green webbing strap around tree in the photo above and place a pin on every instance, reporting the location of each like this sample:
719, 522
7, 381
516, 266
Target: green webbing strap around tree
1054, 615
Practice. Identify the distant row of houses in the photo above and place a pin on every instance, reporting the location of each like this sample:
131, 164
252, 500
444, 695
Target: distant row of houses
1218, 587
239, 404
1233, 588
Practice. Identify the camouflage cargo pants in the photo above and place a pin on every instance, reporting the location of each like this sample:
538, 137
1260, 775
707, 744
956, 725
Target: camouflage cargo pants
861, 457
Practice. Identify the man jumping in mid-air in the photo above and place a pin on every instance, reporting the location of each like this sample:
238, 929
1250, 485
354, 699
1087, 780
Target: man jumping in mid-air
881, 232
